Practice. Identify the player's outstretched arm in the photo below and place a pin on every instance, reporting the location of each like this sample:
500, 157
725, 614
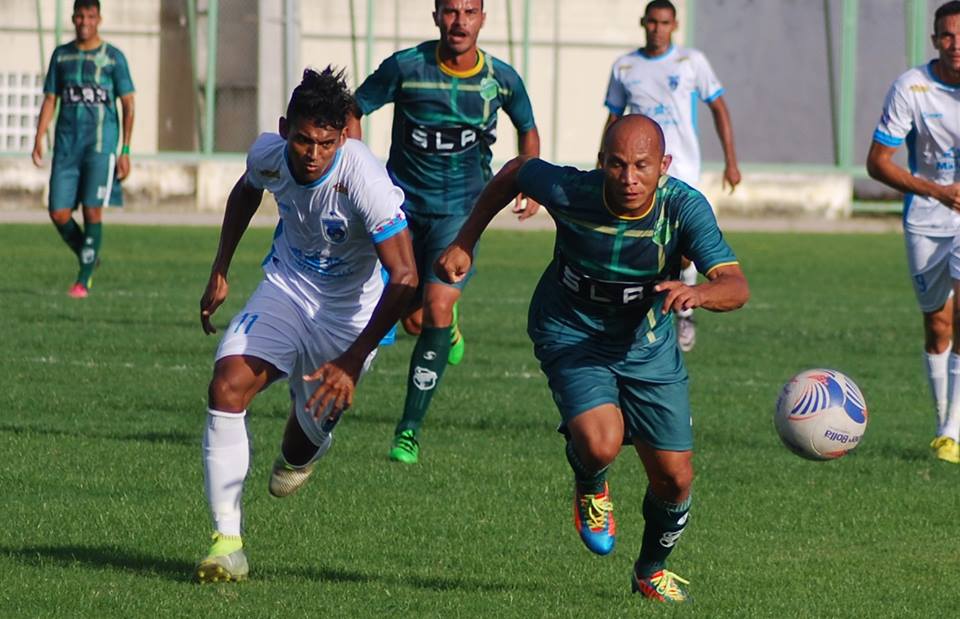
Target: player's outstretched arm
529, 146
43, 123
243, 202
882, 167
725, 290
454, 263
721, 121
338, 378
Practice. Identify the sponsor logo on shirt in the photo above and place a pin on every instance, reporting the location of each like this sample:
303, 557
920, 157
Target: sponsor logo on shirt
340, 188
919, 88
440, 140
84, 94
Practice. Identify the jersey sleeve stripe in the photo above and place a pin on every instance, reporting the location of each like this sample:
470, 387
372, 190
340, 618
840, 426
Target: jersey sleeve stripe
721, 264
715, 96
614, 109
391, 228
886, 139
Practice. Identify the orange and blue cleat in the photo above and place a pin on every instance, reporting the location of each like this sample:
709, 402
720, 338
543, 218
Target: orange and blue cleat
661, 586
593, 518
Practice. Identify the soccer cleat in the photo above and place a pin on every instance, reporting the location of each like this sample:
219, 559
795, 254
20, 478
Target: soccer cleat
593, 519
946, 449
286, 478
78, 291
457, 345
226, 561
405, 448
662, 586
686, 333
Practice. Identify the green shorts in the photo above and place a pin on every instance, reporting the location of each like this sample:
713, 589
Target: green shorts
83, 176
431, 234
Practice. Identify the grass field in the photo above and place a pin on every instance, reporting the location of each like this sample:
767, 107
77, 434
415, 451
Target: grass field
103, 402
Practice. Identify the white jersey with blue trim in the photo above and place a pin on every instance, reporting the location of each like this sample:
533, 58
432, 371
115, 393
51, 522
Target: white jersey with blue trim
925, 113
666, 88
324, 253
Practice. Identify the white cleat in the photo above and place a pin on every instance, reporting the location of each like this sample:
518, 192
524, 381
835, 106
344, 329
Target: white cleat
686, 333
287, 478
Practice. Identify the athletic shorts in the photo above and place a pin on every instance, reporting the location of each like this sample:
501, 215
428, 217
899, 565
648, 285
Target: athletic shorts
83, 176
274, 328
431, 234
581, 379
934, 263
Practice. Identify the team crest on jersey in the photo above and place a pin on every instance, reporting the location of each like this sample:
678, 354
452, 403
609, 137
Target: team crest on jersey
489, 88
674, 81
334, 229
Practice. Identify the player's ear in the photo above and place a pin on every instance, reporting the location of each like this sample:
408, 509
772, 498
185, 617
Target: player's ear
436, 19
283, 128
343, 137
665, 163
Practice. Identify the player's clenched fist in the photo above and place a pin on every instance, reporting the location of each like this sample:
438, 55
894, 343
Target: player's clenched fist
453, 264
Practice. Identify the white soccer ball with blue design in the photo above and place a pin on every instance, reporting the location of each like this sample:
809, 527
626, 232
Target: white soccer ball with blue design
821, 414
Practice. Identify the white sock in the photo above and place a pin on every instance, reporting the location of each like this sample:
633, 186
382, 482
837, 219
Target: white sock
937, 375
689, 277
951, 425
226, 459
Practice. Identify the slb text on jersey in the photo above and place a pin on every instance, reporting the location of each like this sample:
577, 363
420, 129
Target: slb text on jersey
86, 94
440, 140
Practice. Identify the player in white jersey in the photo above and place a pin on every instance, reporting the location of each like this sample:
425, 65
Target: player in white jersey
666, 82
319, 312
923, 109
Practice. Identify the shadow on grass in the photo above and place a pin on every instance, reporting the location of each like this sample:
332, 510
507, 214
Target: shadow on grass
122, 560
171, 436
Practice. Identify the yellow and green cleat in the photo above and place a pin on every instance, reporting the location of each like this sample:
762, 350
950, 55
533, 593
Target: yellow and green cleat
226, 561
661, 586
457, 345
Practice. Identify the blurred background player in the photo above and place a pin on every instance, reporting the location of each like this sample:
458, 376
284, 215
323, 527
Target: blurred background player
597, 324
321, 309
446, 96
664, 82
923, 108
87, 75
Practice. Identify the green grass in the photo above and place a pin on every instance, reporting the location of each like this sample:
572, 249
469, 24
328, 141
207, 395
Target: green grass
104, 401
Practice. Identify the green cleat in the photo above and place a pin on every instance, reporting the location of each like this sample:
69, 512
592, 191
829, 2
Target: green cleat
405, 448
457, 345
226, 561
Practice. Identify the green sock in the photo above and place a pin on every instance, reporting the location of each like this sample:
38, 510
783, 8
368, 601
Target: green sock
588, 482
72, 235
665, 522
427, 364
88, 254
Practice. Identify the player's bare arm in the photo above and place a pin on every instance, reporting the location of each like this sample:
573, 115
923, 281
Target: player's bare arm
725, 290
882, 167
243, 202
43, 123
721, 121
454, 263
529, 145
339, 377
123, 162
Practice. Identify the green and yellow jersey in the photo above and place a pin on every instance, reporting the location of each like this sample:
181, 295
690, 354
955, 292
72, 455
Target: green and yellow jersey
444, 123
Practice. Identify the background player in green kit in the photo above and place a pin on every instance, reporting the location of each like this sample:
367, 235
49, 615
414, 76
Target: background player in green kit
446, 96
88, 75
600, 324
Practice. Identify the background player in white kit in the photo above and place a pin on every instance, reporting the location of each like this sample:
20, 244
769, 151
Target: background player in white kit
319, 312
923, 109
665, 82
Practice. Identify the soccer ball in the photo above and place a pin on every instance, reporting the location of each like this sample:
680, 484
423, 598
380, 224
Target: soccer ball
821, 414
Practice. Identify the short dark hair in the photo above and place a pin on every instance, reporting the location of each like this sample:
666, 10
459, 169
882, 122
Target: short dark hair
660, 4
436, 5
945, 10
86, 4
322, 98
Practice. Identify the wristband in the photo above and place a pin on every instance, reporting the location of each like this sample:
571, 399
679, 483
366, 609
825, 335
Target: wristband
125, 149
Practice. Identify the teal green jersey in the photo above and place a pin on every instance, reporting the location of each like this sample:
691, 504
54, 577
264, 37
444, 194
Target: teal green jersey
600, 282
88, 83
444, 123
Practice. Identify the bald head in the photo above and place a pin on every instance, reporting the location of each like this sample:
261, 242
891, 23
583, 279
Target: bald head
635, 131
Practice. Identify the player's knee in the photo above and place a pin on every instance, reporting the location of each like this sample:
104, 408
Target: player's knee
228, 392
412, 324
599, 450
438, 313
674, 483
60, 216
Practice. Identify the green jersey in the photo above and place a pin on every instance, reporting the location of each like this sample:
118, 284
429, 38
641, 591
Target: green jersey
598, 289
88, 83
444, 123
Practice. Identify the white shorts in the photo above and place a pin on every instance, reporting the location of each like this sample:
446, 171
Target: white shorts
934, 263
274, 328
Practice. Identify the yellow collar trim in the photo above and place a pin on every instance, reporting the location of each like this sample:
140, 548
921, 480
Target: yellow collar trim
481, 61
